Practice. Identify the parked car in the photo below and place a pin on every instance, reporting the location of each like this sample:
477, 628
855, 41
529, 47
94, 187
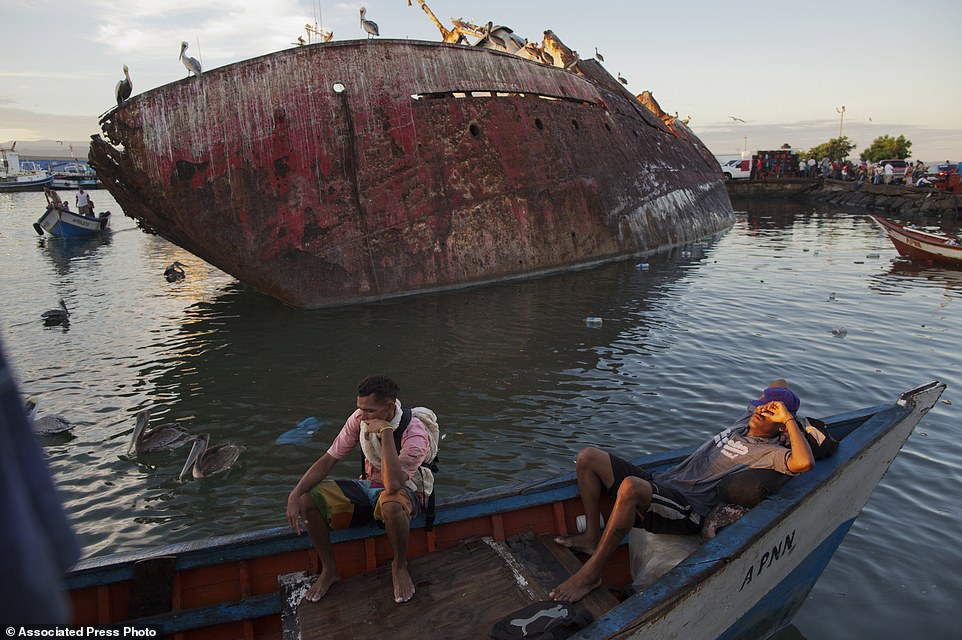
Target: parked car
898, 169
735, 169
938, 174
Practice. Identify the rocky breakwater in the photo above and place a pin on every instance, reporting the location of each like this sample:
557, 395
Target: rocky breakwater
893, 198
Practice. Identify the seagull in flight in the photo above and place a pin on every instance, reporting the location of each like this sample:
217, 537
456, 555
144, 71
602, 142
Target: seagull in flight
734, 119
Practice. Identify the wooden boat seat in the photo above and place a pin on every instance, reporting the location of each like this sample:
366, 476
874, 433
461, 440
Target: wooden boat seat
461, 592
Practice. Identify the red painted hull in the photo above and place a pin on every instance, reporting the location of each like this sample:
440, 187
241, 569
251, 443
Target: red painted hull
319, 197
921, 245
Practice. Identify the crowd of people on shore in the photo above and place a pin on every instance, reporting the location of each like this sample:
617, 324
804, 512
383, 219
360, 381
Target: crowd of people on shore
883, 172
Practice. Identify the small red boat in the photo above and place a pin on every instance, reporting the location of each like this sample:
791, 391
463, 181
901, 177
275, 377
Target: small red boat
922, 245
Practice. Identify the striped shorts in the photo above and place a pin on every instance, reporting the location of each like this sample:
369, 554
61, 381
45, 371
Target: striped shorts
669, 511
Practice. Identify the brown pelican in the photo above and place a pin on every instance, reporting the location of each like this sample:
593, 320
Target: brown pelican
192, 65
367, 25
205, 461
600, 57
162, 438
621, 80
174, 272
56, 316
47, 424
124, 87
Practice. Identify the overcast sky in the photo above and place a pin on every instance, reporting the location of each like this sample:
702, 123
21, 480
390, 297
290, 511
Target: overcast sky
783, 67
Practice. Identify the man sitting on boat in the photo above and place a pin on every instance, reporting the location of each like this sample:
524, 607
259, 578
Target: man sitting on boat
675, 501
388, 495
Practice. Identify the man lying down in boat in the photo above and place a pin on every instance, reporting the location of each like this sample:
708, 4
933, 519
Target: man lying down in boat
676, 500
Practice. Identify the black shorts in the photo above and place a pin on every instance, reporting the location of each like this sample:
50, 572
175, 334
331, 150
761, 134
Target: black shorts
669, 511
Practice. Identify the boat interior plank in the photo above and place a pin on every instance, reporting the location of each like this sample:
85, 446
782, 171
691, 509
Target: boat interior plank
461, 592
551, 564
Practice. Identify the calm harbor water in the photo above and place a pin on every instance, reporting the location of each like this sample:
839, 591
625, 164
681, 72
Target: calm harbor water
518, 380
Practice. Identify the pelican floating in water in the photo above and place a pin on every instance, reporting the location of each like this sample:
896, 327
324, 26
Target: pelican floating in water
174, 272
46, 424
162, 438
124, 87
368, 25
203, 461
56, 316
192, 64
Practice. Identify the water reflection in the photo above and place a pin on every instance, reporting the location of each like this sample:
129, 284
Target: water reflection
68, 253
903, 274
505, 363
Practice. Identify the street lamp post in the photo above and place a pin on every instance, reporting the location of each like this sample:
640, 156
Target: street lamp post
841, 118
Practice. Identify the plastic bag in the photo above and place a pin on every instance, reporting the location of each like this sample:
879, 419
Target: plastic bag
655, 554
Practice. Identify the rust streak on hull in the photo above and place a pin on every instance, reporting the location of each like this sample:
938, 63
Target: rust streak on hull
320, 198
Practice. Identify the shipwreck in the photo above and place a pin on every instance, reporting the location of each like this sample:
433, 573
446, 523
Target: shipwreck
342, 172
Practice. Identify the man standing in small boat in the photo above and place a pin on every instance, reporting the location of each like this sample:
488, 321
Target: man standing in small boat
388, 493
83, 202
676, 500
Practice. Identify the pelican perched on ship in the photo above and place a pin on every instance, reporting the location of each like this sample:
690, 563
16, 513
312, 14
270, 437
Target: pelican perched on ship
368, 25
174, 272
56, 316
621, 80
600, 57
192, 64
47, 424
204, 460
124, 87
162, 438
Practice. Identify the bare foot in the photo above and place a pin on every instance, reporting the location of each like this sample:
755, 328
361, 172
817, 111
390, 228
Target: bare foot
403, 585
321, 585
576, 587
580, 543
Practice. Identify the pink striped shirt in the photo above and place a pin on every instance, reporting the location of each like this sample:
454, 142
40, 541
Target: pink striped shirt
414, 446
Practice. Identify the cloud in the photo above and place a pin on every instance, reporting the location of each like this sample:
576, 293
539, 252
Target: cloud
23, 124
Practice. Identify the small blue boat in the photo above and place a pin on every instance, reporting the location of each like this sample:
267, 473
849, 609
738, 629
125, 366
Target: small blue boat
67, 224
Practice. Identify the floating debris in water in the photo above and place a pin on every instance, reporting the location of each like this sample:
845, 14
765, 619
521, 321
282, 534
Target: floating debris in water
805, 250
831, 297
302, 433
859, 262
840, 332
686, 254
593, 321
946, 401
815, 253
872, 255
642, 266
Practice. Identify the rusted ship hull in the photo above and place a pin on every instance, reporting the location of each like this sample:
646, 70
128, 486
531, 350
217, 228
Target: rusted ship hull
436, 166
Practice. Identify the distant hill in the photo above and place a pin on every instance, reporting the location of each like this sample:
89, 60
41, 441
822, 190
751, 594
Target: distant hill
50, 149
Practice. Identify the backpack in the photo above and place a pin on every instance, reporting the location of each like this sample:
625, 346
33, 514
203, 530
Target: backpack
822, 443
430, 422
544, 620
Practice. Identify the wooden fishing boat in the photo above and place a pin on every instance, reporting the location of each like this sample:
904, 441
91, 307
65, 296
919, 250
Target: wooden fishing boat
67, 224
922, 245
490, 554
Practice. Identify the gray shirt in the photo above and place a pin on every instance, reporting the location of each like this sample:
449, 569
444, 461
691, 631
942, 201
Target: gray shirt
732, 450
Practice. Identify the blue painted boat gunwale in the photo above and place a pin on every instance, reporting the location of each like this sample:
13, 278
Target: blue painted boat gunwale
216, 550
